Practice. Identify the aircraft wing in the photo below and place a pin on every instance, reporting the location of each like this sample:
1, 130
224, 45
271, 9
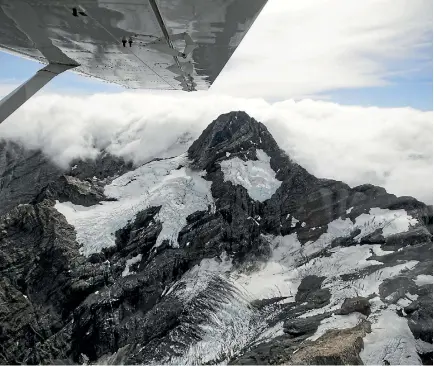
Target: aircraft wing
149, 44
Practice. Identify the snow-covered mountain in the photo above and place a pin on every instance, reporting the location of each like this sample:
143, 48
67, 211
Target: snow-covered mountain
228, 253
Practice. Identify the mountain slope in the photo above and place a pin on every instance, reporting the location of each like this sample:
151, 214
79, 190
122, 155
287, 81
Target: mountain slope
229, 253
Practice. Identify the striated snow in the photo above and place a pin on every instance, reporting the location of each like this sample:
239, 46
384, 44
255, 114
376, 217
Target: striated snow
236, 325
230, 327
390, 339
230, 330
129, 263
390, 221
198, 278
254, 175
282, 273
179, 192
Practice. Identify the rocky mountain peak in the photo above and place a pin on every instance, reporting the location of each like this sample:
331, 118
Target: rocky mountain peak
231, 134
244, 259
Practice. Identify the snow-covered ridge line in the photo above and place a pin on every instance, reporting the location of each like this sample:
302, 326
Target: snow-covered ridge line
167, 183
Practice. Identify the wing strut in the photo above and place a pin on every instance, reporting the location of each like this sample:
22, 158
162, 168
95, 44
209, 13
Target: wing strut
24, 92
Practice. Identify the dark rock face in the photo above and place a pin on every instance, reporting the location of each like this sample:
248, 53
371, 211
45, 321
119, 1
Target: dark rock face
135, 303
309, 287
299, 326
419, 315
68, 188
23, 174
359, 304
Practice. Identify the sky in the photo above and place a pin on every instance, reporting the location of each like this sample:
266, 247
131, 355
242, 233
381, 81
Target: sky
345, 87
371, 53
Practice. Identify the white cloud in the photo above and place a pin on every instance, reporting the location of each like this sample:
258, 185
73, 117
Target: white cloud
387, 147
303, 48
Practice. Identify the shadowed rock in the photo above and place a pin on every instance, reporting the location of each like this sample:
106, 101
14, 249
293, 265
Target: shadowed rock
359, 304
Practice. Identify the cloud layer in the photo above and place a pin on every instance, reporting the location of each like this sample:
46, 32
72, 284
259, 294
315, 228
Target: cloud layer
387, 147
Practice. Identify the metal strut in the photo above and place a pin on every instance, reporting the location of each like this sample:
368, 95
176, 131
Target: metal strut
24, 92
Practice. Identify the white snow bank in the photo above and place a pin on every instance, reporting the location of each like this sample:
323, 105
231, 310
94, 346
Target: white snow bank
391, 340
254, 175
391, 221
282, 273
337, 322
179, 192
129, 263
423, 280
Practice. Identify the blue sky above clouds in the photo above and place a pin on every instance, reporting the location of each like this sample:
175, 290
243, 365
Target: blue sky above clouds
371, 53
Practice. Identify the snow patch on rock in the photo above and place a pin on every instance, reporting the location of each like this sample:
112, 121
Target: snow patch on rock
254, 175
390, 221
178, 190
294, 221
337, 322
129, 263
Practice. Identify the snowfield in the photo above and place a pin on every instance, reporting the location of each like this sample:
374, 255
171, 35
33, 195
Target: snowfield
180, 192
166, 183
282, 274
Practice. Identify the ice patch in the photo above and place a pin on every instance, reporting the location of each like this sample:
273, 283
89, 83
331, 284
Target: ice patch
380, 252
349, 210
294, 221
273, 278
129, 263
256, 176
179, 192
423, 280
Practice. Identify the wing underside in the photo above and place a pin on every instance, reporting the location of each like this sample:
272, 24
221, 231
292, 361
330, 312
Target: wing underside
150, 44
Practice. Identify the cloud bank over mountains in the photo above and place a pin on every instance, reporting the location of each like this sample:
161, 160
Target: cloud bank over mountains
387, 147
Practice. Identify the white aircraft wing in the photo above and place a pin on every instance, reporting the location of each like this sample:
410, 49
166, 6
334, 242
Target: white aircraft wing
149, 44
